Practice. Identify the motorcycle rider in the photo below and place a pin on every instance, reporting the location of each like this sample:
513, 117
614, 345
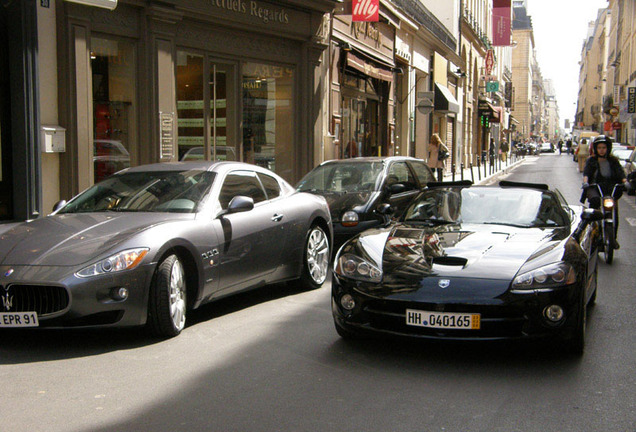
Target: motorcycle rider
605, 170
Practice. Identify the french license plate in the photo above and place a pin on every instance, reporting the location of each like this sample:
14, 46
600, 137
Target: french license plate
445, 320
19, 319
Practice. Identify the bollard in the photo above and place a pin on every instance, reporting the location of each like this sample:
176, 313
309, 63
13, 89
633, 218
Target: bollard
472, 173
479, 167
453, 172
461, 172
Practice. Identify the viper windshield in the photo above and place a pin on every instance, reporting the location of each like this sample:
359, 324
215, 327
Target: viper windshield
161, 191
523, 208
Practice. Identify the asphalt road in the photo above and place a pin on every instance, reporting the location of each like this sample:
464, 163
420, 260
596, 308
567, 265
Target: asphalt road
271, 360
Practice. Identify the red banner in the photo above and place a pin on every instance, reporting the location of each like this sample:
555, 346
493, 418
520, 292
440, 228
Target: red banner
501, 23
365, 10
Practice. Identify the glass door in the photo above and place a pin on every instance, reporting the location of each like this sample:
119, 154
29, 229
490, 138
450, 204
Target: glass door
353, 127
206, 108
113, 70
222, 106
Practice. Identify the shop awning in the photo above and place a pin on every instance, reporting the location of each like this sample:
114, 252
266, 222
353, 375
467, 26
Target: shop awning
497, 114
366, 67
444, 100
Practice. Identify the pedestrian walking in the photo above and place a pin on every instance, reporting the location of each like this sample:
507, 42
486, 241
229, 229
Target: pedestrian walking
560, 146
437, 155
504, 148
582, 153
568, 145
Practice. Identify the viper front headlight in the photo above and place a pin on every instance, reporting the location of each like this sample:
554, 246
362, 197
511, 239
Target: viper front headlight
124, 260
355, 267
550, 275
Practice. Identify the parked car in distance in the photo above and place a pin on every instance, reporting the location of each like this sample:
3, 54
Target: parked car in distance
546, 147
152, 242
109, 156
223, 153
627, 158
469, 262
357, 188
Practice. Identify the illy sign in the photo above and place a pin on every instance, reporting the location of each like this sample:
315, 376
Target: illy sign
365, 10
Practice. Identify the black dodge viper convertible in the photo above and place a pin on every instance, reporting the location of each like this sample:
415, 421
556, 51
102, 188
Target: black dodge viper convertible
470, 262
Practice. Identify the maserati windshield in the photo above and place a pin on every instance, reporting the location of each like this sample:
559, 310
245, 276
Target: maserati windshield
161, 191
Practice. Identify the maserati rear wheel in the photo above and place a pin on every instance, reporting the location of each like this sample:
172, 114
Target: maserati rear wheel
167, 304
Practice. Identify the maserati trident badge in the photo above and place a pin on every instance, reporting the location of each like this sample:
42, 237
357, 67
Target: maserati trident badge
443, 283
7, 302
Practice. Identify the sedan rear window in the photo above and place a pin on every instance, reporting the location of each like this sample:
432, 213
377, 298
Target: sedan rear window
343, 177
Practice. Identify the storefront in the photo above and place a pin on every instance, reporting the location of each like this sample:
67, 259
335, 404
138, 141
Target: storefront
362, 88
185, 80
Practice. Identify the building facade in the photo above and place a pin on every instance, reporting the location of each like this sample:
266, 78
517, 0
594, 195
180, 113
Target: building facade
157, 81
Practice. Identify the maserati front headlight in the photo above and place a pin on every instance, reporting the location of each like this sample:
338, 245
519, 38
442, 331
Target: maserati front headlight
354, 267
124, 260
550, 275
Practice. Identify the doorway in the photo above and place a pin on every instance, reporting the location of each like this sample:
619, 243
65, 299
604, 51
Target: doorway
6, 174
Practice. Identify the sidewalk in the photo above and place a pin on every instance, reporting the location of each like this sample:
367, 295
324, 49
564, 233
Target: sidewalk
487, 174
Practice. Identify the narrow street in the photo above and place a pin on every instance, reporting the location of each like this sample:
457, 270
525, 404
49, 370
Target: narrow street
271, 361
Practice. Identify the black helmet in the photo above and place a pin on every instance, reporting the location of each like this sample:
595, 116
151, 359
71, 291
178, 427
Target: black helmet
602, 139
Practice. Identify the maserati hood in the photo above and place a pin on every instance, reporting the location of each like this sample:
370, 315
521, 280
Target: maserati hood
72, 239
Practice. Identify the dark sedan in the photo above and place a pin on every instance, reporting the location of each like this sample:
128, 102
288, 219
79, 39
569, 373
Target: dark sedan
472, 262
356, 189
151, 242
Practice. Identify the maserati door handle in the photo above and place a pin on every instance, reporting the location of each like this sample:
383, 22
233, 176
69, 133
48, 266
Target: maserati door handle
277, 217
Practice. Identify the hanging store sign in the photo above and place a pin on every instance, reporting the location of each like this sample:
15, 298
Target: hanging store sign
490, 61
501, 23
492, 86
365, 10
631, 100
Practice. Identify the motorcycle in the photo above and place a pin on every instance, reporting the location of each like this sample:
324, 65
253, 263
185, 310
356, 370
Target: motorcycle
609, 223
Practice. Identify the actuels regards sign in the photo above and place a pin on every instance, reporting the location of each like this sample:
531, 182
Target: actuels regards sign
365, 10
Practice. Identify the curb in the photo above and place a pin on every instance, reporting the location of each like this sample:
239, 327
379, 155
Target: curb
490, 179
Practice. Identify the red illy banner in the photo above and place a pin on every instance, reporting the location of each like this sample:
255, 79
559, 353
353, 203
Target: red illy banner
365, 10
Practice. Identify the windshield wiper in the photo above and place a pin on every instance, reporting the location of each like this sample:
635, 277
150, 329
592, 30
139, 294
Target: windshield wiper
508, 224
431, 221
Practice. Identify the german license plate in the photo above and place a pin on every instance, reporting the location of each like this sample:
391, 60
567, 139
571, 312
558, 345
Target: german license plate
19, 319
444, 320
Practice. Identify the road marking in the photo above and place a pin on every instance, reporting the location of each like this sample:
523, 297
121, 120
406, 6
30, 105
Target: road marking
631, 221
